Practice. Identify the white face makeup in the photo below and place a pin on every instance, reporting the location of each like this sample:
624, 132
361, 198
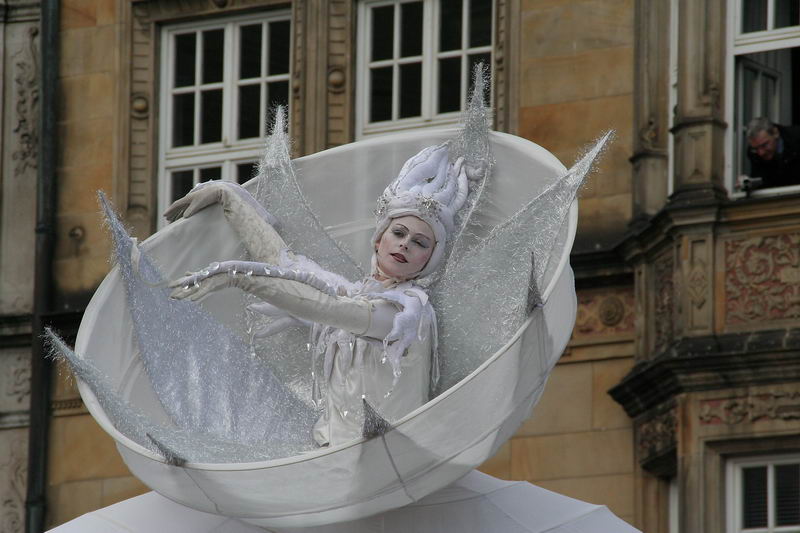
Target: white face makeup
405, 247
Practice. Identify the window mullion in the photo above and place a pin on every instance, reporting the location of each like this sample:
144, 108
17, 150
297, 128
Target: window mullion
770, 15
198, 75
465, 75
434, 30
229, 100
395, 66
264, 104
770, 497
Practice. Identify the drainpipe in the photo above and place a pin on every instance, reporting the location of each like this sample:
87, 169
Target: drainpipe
46, 202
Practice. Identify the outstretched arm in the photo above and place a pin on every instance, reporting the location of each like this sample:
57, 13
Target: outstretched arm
299, 294
251, 222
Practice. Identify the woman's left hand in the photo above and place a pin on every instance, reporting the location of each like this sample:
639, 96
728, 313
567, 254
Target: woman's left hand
195, 285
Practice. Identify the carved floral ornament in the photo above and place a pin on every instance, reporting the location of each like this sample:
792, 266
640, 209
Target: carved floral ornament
657, 435
607, 312
26, 105
697, 284
762, 279
751, 409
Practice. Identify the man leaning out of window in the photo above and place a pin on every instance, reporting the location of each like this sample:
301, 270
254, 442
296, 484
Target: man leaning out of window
774, 153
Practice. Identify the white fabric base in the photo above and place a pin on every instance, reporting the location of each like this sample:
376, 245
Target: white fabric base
477, 503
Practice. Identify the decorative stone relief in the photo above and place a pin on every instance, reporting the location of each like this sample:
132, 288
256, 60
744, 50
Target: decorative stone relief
759, 279
656, 436
750, 409
648, 134
697, 284
605, 312
26, 67
664, 301
13, 473
15, 380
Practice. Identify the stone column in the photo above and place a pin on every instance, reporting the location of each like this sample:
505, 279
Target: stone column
651, 116
699, 123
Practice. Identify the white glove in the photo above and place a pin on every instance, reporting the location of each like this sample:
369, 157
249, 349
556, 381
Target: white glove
299, 294
215, 192
281, 320
253, 224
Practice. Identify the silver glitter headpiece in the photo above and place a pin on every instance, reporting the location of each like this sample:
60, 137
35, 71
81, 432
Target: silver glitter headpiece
430, 188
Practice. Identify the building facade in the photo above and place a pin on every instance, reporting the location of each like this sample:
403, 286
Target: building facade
677, 402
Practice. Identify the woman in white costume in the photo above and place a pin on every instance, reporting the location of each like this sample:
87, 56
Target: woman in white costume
378, 335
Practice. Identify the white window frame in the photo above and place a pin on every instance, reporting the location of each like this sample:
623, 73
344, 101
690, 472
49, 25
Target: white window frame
749, 43
430, 55
229, 152
733, 497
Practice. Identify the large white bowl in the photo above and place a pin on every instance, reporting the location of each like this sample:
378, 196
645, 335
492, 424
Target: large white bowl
425, 451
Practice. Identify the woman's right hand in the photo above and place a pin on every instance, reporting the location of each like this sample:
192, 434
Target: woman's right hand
202, 196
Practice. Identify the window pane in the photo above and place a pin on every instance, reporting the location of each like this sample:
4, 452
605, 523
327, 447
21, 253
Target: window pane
211, 116
380, 94
754, 497
278, 93
213, 51
249, 111
182, 183
410, 90
754, 15
449, 84
250, 42
787, 13
185, 50
210, 173
787, 495
450, 25
480, 23
411, 29
473, 60
279, 47
382, 33
183, 119
245, 171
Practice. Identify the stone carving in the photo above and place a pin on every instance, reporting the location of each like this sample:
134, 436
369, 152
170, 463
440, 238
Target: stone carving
664, 304
656, 436
758, 274
750, 409
140, 105
605, 312
26, 104
13, 469
648, 134
19, 386
697, 284
611, 311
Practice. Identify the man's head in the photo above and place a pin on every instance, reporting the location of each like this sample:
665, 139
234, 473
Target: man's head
762, 136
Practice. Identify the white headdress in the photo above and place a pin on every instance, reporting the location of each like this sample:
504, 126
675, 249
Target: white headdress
430, 188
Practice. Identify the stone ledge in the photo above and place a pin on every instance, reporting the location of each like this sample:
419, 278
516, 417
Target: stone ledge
711, 363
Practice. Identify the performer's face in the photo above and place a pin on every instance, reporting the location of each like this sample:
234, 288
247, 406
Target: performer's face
405, 247
764, 144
